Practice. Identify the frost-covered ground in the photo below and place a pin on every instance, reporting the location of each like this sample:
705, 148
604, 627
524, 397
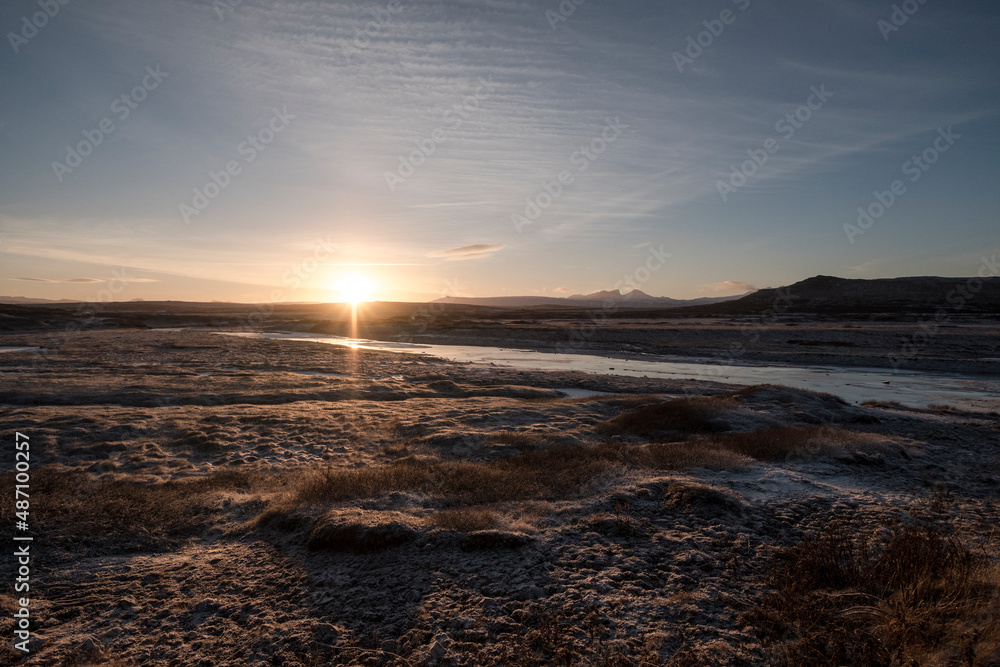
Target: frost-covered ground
203, 500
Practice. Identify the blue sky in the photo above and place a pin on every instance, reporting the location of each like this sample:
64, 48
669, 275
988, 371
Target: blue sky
403, 140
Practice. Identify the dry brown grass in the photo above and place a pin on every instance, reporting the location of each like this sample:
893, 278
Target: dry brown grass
360, 531
556, 473
719, 450
943, 409
692, 496
466, 519
908, 595
396, 449
138, 514
693, 454
333, 484
552, 638
123, 515
707, 417
550, 474
523, 440
784, 442
882, 404
670, 419
770, 444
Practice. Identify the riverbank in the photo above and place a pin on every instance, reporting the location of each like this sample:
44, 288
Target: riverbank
960, 345
855, 385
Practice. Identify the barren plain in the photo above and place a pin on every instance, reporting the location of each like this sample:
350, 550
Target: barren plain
210, 500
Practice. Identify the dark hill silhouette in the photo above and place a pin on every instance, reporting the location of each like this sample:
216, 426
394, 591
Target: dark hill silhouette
829, 294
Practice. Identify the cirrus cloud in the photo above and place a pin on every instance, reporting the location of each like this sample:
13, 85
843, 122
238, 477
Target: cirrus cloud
88, 280
730, 286
477, 251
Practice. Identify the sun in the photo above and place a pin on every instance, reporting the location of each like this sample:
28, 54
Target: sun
355, 289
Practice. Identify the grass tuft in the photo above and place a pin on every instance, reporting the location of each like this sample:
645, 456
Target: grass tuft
670, 418
522, 440
770, 444
465, 519
701, 497
909, 594
120, 515
693, 454
556, 473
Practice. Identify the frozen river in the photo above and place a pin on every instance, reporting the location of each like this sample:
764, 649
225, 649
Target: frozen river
855, 385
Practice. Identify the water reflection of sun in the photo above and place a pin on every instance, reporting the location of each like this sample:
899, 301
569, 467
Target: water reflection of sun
354, 289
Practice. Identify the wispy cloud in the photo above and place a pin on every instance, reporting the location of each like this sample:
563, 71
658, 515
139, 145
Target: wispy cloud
452, 203
65, 280
729, 286
89, 280
477, 251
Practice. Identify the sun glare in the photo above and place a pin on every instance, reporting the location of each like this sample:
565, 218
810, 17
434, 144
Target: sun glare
355, 289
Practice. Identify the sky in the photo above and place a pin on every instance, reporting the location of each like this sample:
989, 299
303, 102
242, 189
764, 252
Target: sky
271, 150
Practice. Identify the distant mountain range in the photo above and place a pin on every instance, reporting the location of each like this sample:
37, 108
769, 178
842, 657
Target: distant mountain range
633, 299
819, 294
24, 299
